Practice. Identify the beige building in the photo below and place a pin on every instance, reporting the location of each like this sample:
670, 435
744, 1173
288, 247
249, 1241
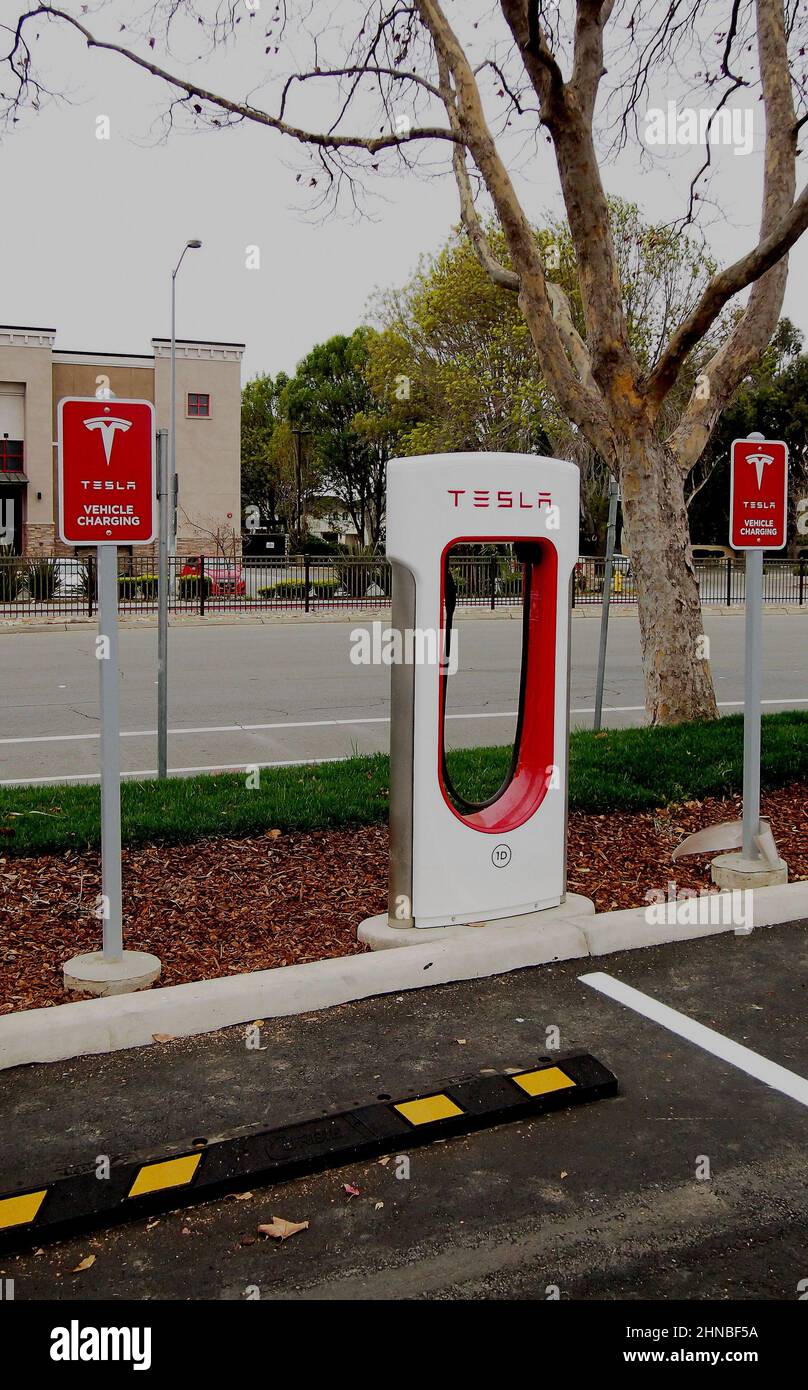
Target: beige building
34, 376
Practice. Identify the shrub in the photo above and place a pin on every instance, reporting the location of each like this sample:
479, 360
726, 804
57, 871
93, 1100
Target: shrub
356, 570
12, 574
316, 545
88, 581
509, 583
41, 579
324, 588
144, 586
188, 586
148, 585
472, 578
284, 588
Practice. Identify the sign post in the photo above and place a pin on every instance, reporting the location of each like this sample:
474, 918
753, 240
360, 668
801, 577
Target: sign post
108, 665
106, 484
752, 690
758, 519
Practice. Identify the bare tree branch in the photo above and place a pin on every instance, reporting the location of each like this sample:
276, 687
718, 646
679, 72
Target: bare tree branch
498, 273
371, 144
726, 283
509, 280
587, 67
581, 403
782, 221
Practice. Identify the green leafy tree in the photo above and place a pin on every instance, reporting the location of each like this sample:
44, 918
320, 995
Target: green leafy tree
772, 400
299, 476
260, 416
457, 368
350, 434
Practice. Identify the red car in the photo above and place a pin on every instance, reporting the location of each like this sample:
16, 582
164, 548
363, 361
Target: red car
223, 577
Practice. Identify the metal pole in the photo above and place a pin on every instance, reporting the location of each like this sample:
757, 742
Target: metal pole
172, 535
611, 527
110, 752
172, 478
166, 506
753, 678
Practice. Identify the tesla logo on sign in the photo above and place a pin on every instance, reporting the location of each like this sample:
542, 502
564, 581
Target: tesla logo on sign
107, 426
758, 514
106, 472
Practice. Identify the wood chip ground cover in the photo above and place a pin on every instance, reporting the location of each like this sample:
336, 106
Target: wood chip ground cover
223, 906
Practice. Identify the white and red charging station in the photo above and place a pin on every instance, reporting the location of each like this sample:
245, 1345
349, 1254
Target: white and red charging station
453, 861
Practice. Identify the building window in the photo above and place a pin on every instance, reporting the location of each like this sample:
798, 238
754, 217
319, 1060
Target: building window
198, 405
11, 456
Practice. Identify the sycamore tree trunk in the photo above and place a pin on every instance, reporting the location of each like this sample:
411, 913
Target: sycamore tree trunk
678, 682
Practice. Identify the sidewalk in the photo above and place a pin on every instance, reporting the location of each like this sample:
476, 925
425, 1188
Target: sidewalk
360, 615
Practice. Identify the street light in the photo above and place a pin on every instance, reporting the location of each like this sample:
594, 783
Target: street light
172, 481
168, 540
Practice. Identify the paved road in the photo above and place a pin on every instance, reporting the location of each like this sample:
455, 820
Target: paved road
692, 1183
273, 693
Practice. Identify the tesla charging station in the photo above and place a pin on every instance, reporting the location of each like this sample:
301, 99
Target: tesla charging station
455, 861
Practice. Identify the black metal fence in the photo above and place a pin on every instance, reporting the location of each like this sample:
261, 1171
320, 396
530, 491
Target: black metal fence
53, 586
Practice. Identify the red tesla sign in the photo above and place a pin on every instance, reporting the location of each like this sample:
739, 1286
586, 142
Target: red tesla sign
758, 494
106, 471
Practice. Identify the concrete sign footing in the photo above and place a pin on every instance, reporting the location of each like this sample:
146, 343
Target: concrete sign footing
734, 871
93, 974
379, 935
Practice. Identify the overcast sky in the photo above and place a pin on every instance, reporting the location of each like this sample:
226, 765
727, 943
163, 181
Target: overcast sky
92, 228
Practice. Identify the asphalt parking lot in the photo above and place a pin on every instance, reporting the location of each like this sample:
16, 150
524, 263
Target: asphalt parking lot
692, 1183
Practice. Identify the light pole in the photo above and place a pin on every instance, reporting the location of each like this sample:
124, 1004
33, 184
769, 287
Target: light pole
172, 480
168, 540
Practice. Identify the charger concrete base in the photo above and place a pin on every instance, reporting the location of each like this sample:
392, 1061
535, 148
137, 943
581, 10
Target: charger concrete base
377, 933
92, 974
734, 871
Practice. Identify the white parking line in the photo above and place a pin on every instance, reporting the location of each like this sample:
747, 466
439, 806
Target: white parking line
770, 1073
337, 723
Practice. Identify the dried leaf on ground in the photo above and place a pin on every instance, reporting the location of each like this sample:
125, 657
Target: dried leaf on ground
281, 1229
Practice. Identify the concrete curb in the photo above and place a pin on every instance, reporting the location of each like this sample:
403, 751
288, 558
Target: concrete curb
130, 1020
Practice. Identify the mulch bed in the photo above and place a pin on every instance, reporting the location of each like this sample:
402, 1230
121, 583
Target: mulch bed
224, 906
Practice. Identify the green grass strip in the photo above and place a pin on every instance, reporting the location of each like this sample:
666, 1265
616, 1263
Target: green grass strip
615, 770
